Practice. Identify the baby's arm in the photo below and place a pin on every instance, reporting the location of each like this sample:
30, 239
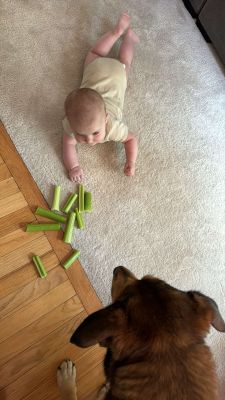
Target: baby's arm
131, 148
70, 158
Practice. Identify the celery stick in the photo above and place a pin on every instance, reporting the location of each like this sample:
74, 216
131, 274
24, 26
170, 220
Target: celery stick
40, 266
69, 203
50, 215
56, 198
80, 221
81, 198
69, 228
71, 259
87, 202
42, 227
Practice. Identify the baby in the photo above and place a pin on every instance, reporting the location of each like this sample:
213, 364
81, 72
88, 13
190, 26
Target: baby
94, 111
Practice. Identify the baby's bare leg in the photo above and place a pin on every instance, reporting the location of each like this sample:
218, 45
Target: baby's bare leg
66, 379
103, 46
126, 52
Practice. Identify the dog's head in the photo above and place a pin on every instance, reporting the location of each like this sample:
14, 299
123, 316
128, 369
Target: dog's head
148, 314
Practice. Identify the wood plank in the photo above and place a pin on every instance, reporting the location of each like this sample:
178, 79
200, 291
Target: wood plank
18, 258
38, 316
47, 390
32, 291
36, 354
1, 160
89, 384
41, 327
33, 196
16, 220
12, 203
4, 172
81, 284
31, 312
33, 378
21, 277
17, 239
8, 187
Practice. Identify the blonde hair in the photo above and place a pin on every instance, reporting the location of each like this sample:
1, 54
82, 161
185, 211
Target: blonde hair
83, 105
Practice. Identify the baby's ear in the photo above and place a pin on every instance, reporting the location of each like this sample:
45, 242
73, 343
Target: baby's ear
208, 309
96, 328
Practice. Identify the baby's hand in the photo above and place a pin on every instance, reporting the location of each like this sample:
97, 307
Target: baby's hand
129, 168
76, 174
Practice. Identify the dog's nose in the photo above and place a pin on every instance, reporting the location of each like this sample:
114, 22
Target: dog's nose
116, 271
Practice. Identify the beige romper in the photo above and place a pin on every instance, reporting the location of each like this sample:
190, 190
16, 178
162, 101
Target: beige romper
108, 77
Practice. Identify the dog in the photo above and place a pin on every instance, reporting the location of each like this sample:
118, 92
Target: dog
155, 340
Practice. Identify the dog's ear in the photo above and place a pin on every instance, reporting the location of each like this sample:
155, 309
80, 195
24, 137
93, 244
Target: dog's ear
209, 306
96, 328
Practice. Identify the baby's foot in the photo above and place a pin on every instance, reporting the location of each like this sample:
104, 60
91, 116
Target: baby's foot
66, 379
132, 36
122, 24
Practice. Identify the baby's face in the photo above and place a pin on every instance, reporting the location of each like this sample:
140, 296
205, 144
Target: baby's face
92, 134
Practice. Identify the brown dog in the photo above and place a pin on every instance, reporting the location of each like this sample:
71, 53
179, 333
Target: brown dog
155, 335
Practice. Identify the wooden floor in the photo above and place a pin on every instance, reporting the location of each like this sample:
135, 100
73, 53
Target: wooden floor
38, 316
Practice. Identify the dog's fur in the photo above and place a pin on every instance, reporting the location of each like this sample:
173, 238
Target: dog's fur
154, 336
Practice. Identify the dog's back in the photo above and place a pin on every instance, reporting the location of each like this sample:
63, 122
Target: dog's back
170, 376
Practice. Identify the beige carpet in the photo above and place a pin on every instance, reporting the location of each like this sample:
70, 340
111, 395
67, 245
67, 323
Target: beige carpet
169, 220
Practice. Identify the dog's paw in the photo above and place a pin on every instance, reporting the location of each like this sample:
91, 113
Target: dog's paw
103, 391
66, 376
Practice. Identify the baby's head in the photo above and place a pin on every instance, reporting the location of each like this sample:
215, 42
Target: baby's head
85, 110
